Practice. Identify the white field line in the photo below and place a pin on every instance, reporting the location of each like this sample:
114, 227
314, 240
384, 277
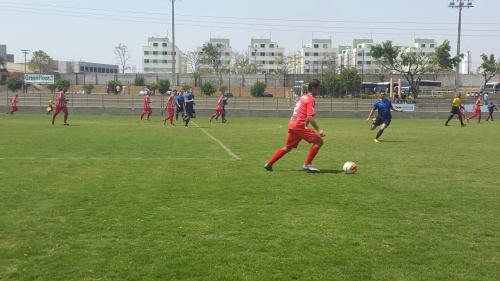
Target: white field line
108, 158
236, 157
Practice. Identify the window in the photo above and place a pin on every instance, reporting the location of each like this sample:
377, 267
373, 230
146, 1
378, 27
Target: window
262, 45
146, 53
271, 45
253, 53
164, 61
306, 62
306, 54
325, 46
82, 69
263, 62
155, 53
155, 44
146, 61
108, 70
316, 54
164, 44
272, 54
316, 46
271, 62
86, 69
262, 54
155, 61
360, 54
422, 45
433, 46
307, 70
368, 63
164, 53
360, 62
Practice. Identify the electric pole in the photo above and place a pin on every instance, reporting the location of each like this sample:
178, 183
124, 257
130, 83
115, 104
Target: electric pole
173, 42
25, 52
460, 5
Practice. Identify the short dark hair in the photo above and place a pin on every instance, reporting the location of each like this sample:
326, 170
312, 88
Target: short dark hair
314, 84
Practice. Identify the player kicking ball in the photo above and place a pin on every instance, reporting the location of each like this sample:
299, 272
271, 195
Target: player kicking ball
384, 107
303, 115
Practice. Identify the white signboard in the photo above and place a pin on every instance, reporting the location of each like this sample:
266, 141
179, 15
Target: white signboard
404, 107
44, 79
470, 108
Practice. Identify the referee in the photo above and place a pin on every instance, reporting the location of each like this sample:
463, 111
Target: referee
455, 110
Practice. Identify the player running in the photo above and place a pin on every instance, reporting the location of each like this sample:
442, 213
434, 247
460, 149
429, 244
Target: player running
61, 105
491, 108
13, 105
188, 107
384, 107
303, 115
169, 107
179, 105
455, 110
146, 107
476, 111
219, 110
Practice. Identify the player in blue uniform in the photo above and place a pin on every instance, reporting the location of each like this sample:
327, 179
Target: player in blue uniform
179, 104
188, 107
384, 107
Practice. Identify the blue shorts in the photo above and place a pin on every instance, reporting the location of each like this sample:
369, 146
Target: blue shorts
382, 120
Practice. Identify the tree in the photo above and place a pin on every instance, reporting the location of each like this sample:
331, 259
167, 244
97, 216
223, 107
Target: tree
14, 83
441, 59
139, 80
257, 89
163, 86
194, 64
123, 55
242, 65
346, 82
152, 86
88, 88
112, 85
489, 68
62, 84
40, 62
222, 89
208, 89
212, 56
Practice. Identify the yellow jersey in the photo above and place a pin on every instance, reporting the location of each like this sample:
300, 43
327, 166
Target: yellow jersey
456, 102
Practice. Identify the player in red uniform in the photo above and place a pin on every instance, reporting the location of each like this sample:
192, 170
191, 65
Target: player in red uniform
303, 115
169, 107
146, 107
219, 110
13, 105
476, 111
61, 106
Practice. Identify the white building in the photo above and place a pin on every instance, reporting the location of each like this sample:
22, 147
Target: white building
157, 57
358, 56
85, 67
318, 57
466, 64
227, 54
3, 53
266, 56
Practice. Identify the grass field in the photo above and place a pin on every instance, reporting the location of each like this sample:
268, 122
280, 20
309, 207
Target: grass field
111, 198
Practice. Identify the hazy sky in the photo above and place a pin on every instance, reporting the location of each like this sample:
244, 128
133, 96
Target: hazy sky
88, 30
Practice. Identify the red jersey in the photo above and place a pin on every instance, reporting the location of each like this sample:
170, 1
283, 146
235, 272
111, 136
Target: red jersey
170, 102
303, 109
477, 106
61, 99
147, 101
219, 103
13, 101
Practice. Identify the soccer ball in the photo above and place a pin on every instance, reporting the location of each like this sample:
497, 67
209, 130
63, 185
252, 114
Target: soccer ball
350, 167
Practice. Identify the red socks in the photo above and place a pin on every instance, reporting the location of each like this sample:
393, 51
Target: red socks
277, 156
312, 153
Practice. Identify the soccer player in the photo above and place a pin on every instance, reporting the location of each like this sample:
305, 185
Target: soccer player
455, 110
219, 109
384, 107
169, 107
188, 107
491, 108
476, 111
146, 107
303, 115
13, 105
61, 105
179, 104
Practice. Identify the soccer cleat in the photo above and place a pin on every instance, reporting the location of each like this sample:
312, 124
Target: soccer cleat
376, 141
311, 169
268, 167
66, 124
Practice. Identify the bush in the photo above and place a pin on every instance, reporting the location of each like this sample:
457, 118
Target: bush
112, 85
186, 87
139, 81
222, 89
152, 86
258, 89
208, 89
14, 83
62, 84
163, 86
88, 88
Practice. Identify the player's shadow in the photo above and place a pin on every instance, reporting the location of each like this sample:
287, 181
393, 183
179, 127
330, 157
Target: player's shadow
393, 141
323, 171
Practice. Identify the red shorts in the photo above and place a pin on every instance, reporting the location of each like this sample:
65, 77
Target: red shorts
146, 110
296, 136
170, 111
59, 109
13, 108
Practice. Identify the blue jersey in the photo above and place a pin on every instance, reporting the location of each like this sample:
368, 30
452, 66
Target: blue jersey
180, 101
189, 97
384, 108
491, 107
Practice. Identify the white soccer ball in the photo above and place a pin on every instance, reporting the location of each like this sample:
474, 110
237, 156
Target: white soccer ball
350, 167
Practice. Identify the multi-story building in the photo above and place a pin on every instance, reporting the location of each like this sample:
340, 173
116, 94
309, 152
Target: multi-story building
4, 55
466, 64
227, 54
318, 57
266, 56
422, 46
157, 57
358, 56
69, 67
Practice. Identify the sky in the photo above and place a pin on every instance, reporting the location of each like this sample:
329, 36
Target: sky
89, 30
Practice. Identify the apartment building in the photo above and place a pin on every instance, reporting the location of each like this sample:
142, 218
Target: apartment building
318, 57
358, 56
68, 67
157, 57
266, 56
227, 55
3, 53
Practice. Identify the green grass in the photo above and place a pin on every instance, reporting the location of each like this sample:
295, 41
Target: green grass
138, 201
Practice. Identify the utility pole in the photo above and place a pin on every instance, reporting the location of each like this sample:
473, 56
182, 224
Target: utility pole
460, 5
173, 42
25, 52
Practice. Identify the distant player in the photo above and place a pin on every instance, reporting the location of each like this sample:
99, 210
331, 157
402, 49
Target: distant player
491, 107
303, 115
13, 105
189, 111
476, 111
169, 108
455, 110
61, 105
146, 107
179, 104
50, 107
384, 118
219, 109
